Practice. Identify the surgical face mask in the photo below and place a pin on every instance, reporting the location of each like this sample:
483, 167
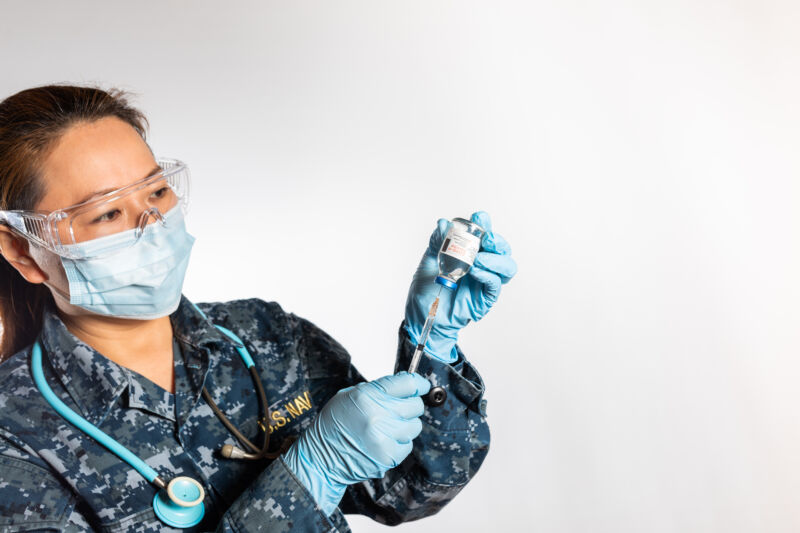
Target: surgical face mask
142, 280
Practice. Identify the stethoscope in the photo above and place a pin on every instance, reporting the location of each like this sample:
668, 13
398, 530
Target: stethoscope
179, 502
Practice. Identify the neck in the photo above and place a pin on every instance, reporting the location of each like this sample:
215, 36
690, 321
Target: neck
144, 346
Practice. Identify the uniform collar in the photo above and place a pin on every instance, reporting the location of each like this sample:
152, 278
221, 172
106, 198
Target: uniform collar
192, 328
95, 383
196, 336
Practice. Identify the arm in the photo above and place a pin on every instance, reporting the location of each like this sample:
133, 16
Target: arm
32, 499
447, 454
276, 501
455, 436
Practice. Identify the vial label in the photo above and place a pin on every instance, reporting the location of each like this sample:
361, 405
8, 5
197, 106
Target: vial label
462, 246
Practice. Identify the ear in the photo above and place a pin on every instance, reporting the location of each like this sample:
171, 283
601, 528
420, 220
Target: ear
15, 250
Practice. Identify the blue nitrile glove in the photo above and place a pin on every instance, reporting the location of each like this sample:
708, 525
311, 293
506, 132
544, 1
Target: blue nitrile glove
471, 300
362, 432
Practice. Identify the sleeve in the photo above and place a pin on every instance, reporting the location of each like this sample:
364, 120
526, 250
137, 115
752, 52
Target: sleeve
32, 499
276, 501
447, 454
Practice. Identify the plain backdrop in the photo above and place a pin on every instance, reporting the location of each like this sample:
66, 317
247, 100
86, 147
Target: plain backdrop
640, 156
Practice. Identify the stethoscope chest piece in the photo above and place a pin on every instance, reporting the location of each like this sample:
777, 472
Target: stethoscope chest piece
181, 504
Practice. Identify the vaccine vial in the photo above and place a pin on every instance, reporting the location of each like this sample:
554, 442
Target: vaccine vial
458, 251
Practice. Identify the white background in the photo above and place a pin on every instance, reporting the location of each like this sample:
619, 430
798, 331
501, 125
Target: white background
640, 157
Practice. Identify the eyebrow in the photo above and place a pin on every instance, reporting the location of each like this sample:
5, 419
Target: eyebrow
156, 169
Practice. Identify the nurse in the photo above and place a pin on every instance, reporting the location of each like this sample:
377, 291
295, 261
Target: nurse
126, 407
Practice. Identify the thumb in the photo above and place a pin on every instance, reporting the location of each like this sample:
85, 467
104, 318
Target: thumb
438, 235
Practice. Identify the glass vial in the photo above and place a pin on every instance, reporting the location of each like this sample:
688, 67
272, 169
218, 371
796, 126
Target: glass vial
458, 251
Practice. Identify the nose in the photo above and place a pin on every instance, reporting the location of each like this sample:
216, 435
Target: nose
144, 220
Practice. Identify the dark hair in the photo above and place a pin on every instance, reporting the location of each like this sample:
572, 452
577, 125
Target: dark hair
31, 121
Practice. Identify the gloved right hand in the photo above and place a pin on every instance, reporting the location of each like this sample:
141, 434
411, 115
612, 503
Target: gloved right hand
361, 433
476, 293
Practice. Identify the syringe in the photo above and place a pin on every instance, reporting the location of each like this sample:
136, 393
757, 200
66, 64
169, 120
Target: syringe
426, 330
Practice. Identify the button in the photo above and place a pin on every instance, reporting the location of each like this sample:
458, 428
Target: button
435, 397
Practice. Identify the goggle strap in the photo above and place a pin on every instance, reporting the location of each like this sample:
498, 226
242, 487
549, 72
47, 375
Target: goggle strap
20, 222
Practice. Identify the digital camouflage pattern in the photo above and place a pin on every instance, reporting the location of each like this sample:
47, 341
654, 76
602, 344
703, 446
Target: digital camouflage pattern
54, 477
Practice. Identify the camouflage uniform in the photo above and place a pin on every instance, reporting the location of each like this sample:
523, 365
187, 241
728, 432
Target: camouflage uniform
54, 477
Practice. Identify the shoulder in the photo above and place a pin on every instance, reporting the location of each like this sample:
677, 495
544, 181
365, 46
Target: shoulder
14, 367
257, 317
257, 321
17, 383
251, 317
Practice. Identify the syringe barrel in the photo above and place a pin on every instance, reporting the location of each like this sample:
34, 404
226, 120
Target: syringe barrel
423, 338
415, 360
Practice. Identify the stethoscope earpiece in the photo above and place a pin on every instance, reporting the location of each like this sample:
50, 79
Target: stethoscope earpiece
181, 504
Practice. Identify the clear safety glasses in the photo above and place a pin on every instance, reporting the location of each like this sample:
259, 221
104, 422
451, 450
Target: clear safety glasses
118, 218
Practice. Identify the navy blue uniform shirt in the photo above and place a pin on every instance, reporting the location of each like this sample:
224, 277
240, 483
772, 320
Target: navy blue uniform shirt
53, 477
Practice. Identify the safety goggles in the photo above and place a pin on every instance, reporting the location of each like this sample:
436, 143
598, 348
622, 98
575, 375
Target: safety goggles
110, 222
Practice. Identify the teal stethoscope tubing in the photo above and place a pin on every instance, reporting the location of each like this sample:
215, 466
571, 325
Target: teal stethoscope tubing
93, 431
81, 423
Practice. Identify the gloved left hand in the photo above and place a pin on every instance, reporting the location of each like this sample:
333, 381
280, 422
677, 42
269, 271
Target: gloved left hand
471, 300
361, 433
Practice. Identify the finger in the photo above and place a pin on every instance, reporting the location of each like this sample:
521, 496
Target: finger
438, 235
493, 242
401, 408
489, 280
407, 408
383, 450
399, 451
401, 431
502, 265
482, 219
403, 385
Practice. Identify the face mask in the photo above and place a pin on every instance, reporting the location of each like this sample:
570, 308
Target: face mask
142, 280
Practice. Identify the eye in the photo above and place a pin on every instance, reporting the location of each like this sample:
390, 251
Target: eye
160, 193
107, 217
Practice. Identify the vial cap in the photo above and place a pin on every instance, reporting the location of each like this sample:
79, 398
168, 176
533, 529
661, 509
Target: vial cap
446, 282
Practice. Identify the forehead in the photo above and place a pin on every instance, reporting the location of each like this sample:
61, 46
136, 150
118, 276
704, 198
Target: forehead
91, 157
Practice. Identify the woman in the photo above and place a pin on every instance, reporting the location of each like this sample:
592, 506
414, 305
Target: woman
237, 416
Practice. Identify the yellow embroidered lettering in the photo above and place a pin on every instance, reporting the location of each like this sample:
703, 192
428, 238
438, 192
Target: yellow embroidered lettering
292, 409
301, 404
280, 420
